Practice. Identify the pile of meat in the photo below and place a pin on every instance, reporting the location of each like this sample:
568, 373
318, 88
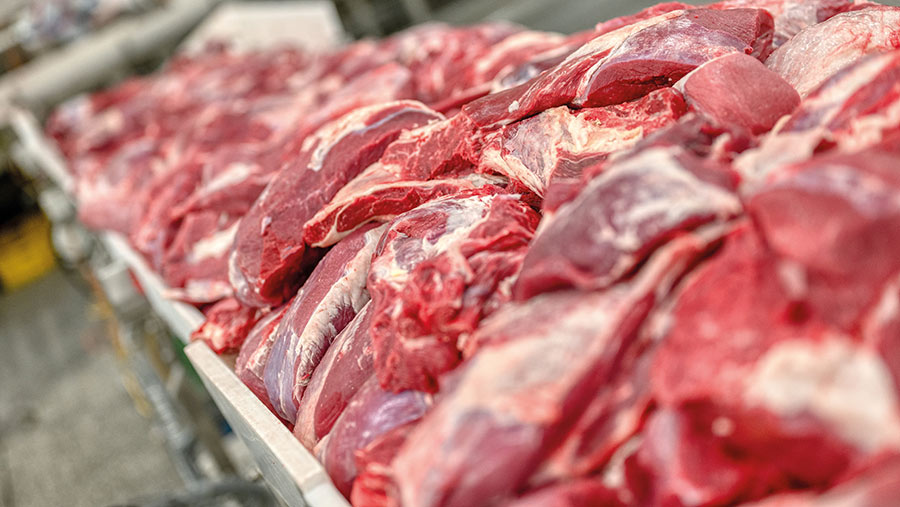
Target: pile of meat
650, 264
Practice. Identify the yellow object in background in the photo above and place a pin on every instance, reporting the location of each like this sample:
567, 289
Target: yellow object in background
26, 252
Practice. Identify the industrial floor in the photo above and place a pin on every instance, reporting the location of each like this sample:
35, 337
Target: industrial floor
69, 432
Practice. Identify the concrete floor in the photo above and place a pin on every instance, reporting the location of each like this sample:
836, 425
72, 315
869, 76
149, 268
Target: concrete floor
69, 432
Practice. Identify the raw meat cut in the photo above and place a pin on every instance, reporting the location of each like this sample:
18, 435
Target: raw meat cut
226, 326
559, 142
630, 62
645, 61
153, 234
232, 179
333, 294
513, 52
881, 328
525, 71
781, 406
342, 371
791, 16
113, 184
857, 108
500, 414
433, 278
648, 13
819, 51
636, 205
385, 83
880, 485
705, 473
694, 134
254, 354
836, 220
380, 194
203, 223
374, 484
197, 259
583, 493
607, 423
443, 60
421, 165
757, 97
267, 255
371, 413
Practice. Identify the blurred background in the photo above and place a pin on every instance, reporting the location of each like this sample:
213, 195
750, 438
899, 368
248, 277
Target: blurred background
94, 411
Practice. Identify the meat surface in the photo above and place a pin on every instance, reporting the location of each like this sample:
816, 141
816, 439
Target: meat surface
559, 142
858, 107
630, 62
254, 354
819, 51
197, 259
835, 219
780, 407
608, 423
422, 164
791, 16
624, 214
374, 484
437, 272
227, 324
582, 493
332, 296
877, 486
371, 413
342, 371
501, 415
268, 252
757, 97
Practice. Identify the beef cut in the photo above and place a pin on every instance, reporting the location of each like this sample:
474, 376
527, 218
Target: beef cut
852, 110
500, 414
374, 484
757, 97
268, 252
835, 220
791, 16
624, 214
434, 277
422, 164
559, 142
779, 408
372, 412
346, 366
630, 62
333, 294
819, 51
254, 354
227, 324
197, 258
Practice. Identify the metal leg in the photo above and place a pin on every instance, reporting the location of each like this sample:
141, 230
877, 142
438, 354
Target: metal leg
136, 336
